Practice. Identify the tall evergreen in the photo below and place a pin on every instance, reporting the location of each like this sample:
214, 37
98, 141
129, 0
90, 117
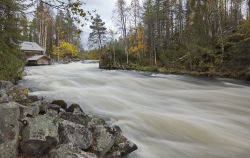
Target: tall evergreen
10, 36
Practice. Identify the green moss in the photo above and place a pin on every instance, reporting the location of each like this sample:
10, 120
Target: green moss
61, 103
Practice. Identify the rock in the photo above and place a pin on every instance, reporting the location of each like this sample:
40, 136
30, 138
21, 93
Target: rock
33, 98
43, 106
61, 103
4, 98
122, 147
95, 121
68, 151
103, 140
28, 100
9, 129
39, 136
78, 118
75, 134
18, 93
54, 107
6, 85
28, 111
74, 108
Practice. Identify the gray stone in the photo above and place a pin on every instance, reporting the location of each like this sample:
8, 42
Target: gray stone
18, 93
42, 105
122, 147
4, 98
28, 100
103, 140
78, 118
95, 121
9, 129
39, 136
33, 98
75, 134
68, 151
6, 85
29, 111
54, 107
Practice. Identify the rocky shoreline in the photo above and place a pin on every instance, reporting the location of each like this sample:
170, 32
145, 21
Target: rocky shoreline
33, 127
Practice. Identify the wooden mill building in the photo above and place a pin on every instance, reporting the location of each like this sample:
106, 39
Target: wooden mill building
34, 54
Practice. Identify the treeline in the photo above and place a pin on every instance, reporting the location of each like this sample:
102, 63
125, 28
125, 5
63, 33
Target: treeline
50, 30
35, 20
211, 36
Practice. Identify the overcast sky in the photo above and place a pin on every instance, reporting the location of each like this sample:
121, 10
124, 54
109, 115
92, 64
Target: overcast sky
105, 9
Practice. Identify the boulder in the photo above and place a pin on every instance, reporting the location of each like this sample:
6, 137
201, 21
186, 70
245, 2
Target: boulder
33, 98
28, 100
43, 106
18, 93
75, 134
95, 121
61, 103
6, 84
122, 147
9, 129
4, 98
78, 118
103, 140
68, 151
28, 111
54, 107
39, 136
109, 142
74, 108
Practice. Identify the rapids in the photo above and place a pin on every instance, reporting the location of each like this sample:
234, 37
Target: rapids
167, 116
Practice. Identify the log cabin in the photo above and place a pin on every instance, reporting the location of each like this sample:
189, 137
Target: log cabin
38, 60
34, 54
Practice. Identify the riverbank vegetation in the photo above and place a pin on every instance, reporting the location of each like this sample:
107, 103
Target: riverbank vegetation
10, 63
50, 24
193, 36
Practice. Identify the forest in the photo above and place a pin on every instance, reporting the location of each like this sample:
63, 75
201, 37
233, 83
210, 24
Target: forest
53, 25
202, 37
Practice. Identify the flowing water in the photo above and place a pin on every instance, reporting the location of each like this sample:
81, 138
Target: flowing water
167, 116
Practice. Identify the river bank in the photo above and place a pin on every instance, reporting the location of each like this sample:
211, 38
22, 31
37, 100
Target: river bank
32, 126
167, 116
239, 74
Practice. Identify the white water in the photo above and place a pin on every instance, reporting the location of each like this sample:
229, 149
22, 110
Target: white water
167, 116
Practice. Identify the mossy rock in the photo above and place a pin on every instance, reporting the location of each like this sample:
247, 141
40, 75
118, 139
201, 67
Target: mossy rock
74, 107
61, 103
18, 93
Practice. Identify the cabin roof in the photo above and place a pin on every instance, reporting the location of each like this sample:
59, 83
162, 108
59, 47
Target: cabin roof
32, 46
36, 57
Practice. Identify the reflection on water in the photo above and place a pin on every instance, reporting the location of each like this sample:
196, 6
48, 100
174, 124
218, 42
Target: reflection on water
167, 116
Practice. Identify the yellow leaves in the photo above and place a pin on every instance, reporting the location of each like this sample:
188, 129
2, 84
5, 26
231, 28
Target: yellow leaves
136, 40
65, 49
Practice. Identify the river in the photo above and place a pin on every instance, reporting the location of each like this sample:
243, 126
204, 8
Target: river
167, 116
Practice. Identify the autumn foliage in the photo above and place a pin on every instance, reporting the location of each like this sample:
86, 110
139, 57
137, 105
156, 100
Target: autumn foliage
65, 50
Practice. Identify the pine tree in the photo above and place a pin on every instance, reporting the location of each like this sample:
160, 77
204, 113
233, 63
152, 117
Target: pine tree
98, 34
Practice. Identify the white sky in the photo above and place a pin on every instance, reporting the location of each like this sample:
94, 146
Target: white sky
105, 9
